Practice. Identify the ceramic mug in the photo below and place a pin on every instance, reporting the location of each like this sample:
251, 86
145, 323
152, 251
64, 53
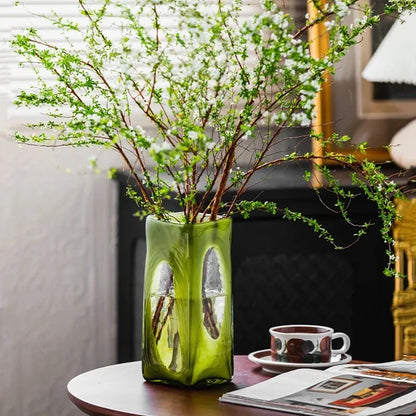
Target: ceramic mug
305, 343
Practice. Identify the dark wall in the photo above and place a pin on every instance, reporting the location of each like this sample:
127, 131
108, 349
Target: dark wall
282, 273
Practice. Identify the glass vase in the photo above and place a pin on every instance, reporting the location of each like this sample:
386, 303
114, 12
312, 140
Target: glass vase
187, 319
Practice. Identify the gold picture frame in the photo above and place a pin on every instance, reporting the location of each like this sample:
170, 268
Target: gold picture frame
351, 96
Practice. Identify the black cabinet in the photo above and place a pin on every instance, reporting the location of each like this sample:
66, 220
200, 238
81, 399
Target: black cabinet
282, 273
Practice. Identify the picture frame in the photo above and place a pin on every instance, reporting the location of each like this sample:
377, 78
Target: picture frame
349, 106
333, 386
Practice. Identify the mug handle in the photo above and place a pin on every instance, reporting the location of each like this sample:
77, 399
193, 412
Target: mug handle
346, 344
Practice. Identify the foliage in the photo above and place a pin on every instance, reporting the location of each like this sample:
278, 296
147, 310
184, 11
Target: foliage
209, 79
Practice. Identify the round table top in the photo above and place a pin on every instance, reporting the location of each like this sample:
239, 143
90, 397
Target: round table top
120, 390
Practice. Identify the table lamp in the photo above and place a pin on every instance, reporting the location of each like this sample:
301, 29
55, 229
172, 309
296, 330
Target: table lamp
394, 61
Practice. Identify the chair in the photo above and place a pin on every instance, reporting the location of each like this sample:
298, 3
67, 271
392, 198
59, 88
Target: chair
404, 298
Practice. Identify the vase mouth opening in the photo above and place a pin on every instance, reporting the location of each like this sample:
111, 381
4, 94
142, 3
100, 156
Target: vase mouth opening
179, 218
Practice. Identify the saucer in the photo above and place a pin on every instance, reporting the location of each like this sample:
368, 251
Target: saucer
263, 358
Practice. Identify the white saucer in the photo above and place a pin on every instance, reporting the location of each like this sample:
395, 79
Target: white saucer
264, 359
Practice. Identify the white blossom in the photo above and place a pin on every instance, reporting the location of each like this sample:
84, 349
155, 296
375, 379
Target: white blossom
193, 135
302, 119
342, 7
329, 24
158, 148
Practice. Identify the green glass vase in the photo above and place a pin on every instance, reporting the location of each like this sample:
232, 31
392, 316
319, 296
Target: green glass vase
187, 319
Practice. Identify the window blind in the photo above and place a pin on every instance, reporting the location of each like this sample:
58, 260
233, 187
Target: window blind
13, 77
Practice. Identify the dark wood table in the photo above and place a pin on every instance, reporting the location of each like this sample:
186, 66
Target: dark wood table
120, 390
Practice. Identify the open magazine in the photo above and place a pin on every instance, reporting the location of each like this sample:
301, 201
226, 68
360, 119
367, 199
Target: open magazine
351, 389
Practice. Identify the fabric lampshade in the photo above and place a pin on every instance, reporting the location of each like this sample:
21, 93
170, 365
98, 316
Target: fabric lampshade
395, 59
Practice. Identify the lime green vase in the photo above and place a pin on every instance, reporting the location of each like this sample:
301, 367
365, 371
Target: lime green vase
187, 319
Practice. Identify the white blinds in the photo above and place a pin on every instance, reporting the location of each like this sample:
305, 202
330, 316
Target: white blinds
13, 77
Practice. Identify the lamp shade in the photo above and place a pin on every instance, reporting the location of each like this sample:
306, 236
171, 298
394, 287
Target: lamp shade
395, 59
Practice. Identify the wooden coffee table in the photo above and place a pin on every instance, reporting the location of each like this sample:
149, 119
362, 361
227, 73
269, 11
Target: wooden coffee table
120, 390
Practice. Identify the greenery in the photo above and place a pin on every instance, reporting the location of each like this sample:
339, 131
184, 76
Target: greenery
214, 84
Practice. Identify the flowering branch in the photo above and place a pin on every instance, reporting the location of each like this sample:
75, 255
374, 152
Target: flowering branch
212, 81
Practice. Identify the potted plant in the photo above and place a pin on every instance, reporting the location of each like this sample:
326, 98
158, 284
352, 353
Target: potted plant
215, 85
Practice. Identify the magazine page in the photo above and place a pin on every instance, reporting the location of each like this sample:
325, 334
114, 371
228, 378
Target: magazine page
394, 370
321, 393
